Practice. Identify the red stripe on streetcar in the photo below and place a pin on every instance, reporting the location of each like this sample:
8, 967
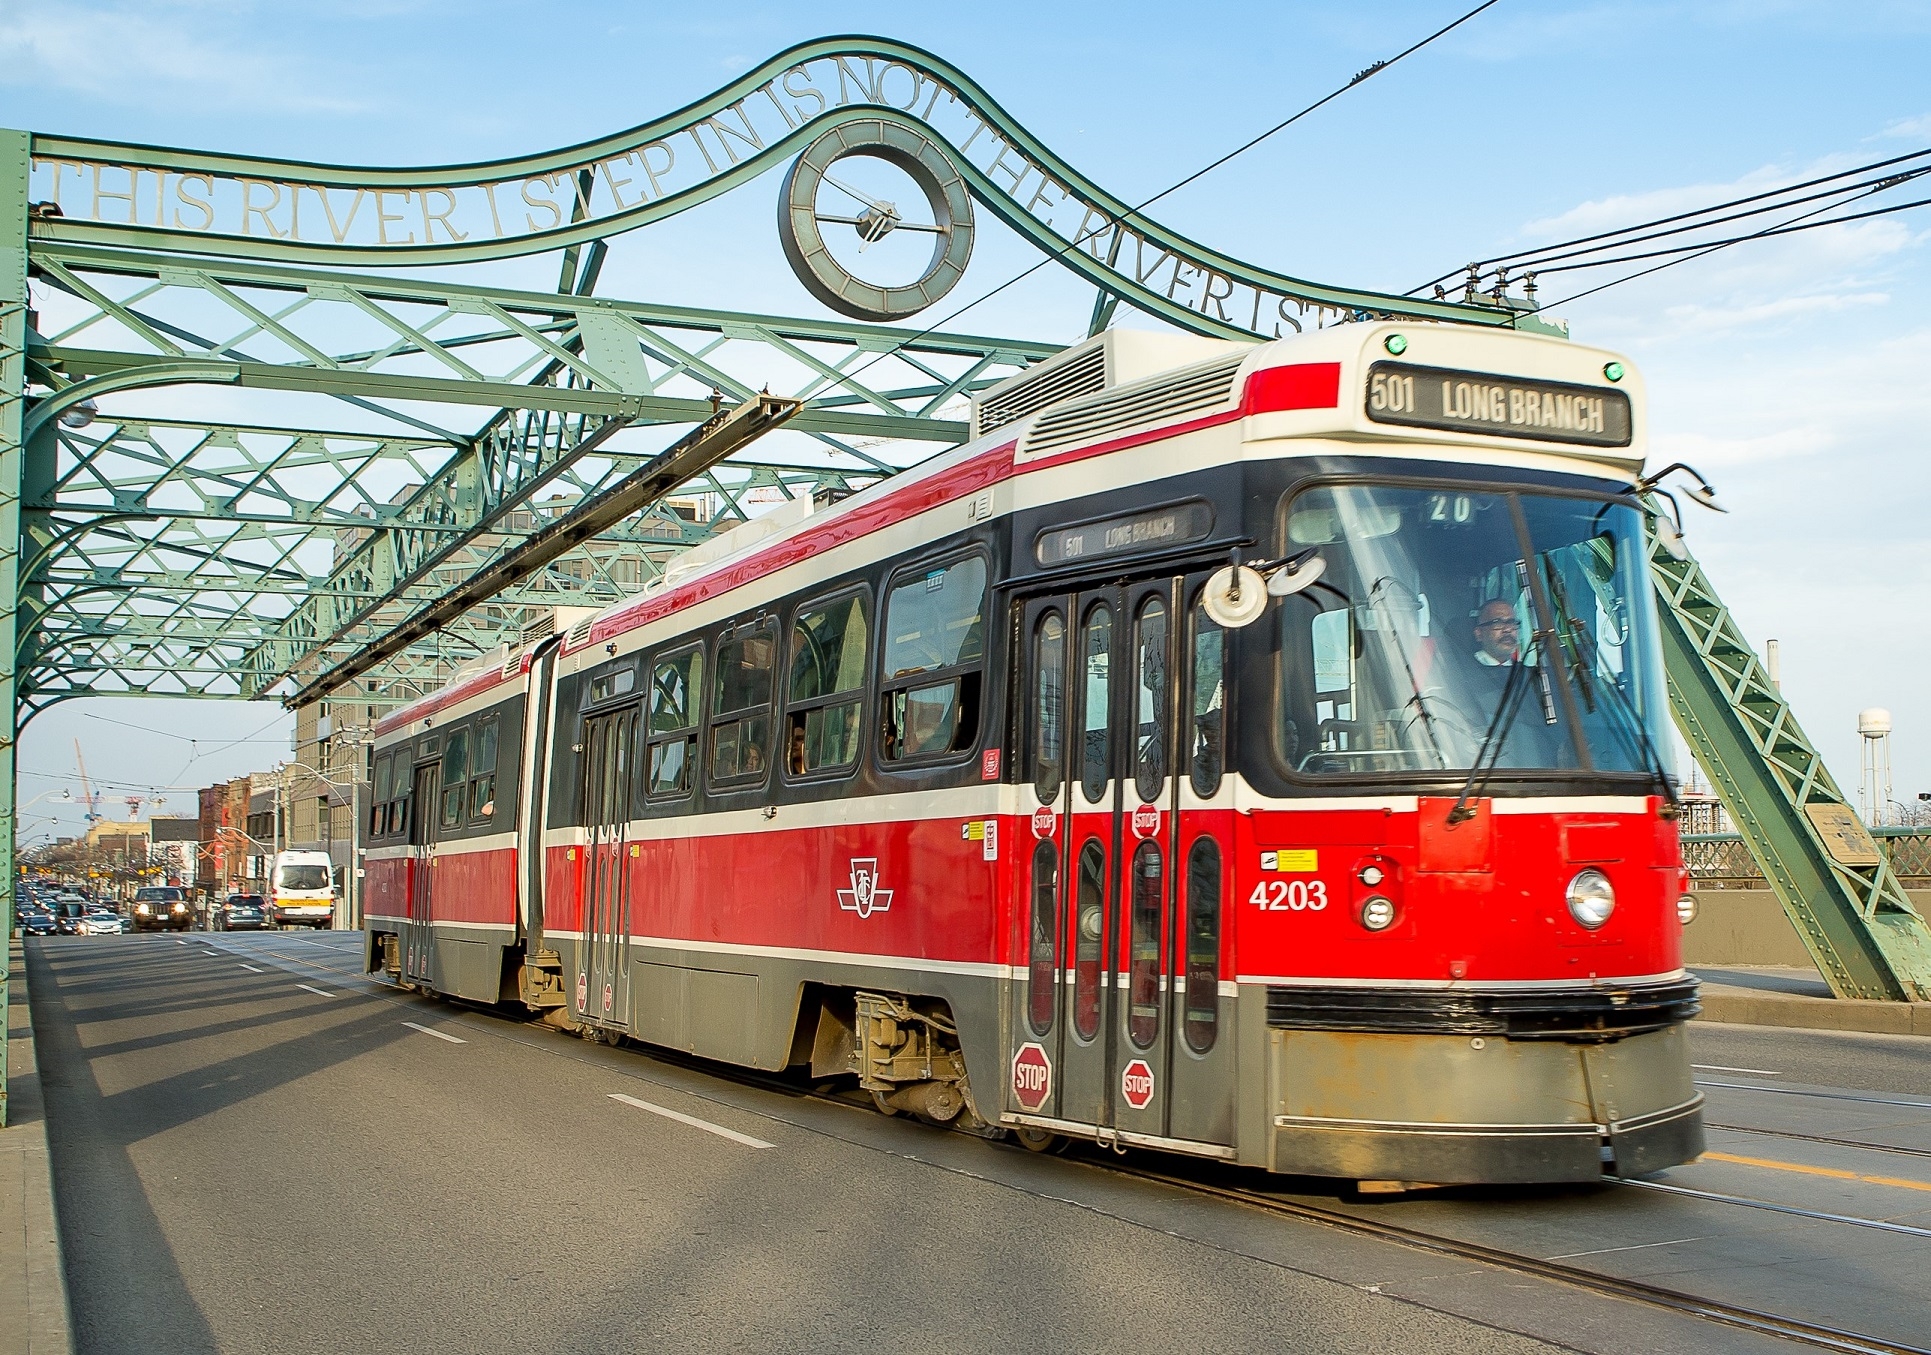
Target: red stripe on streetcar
1299, 385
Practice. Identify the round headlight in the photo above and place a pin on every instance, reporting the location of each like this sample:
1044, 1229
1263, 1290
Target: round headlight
1377, 913
180, 907
1591, 898
1686, 909
141, 908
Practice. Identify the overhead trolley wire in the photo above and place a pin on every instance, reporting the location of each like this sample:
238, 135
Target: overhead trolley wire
1594, 251
1113, 220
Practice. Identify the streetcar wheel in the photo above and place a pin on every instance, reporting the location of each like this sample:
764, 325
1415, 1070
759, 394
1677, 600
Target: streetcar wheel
884, 1107
1038, 1140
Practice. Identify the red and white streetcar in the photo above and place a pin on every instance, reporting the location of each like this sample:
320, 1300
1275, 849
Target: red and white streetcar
1252, 751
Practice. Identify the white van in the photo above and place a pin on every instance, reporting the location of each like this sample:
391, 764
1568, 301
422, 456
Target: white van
301, 892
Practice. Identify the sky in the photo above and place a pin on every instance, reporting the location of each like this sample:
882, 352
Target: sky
1792, 373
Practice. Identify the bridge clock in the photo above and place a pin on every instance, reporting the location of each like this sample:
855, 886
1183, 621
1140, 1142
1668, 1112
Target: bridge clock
816, 196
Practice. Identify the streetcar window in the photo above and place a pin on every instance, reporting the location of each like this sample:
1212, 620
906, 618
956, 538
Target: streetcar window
827, 681
385, 775
1463, 623
1049, 706
614, 683
934, 631
1207, 736
455, 772
1042, 968
1150, 713
675, 684
1089, 936
1096, 657
1202, 1002
741, 705
1143, 945
482, 785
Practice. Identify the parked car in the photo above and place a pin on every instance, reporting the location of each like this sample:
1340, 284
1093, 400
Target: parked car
101, 921
242, 913
162, 908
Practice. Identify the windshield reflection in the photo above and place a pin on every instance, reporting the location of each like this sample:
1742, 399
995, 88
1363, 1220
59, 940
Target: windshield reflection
1455, 626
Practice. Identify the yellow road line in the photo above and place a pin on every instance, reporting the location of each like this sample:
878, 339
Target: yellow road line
1898, 1181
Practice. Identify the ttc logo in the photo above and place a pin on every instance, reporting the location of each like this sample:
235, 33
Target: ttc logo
865, 897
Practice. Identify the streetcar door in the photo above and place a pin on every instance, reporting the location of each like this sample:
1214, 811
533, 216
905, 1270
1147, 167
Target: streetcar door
1088, 833
419, 935
1043, 705
603, 969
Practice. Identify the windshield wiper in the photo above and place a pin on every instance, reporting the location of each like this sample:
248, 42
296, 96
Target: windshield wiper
1632, 721
1492, 743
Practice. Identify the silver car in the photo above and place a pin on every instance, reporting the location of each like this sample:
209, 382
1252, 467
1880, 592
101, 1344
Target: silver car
101, 922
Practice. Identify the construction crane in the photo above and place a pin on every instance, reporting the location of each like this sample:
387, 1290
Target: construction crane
87, 795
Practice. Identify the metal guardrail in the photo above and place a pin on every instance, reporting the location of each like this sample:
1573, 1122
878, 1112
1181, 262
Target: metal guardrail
1723, 860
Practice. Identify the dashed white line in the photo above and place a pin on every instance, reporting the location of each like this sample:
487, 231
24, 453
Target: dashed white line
251, 969
215, 953
431, 1030
1719, 1068
179, 942
692, 1121
317, 991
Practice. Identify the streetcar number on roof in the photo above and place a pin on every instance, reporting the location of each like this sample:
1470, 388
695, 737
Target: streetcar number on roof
1500, 406
1120, 536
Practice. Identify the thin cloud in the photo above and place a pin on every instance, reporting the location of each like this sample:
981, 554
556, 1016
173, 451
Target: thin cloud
62, 48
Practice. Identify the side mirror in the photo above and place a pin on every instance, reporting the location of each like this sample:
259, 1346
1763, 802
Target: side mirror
1296, 573
1235, 596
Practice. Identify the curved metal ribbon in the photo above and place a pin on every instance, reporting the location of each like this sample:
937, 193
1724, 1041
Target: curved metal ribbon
147, 197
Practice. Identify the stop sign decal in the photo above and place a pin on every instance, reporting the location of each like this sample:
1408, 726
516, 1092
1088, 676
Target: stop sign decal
1136, 1084
1043, 821
1146, 821
1032, 1076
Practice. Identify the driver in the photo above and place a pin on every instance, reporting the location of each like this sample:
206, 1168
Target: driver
1498, 634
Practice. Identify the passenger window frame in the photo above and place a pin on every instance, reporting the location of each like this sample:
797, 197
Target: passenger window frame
689, 733
719, 719
962, 677
795, 710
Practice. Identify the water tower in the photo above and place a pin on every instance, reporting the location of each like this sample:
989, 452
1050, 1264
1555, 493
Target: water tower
1874, 773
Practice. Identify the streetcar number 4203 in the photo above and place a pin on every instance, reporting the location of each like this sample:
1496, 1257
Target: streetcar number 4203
1290, 896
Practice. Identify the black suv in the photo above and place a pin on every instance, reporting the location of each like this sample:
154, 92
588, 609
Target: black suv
162, 908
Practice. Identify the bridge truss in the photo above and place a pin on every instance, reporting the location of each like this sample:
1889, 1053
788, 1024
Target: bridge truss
255, 428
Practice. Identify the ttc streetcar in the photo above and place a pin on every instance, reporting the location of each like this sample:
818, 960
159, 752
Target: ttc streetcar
1255, 751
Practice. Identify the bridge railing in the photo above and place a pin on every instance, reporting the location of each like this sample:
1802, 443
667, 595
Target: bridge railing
1723, 860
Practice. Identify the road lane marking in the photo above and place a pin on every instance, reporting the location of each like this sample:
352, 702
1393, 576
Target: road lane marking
692, 1121
317, 991
1822, 1096
1604, 1251
179, 942
215, 953
251, 969
430, 1030
1719, 1068
1835, 1173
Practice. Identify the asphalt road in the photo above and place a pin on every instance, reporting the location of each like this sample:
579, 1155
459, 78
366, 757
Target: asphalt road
257, 1150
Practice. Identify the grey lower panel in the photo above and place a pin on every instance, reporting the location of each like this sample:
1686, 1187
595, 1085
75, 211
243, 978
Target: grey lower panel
1451, 1109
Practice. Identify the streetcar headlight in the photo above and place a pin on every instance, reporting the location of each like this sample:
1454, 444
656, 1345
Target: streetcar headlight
1591, 898
1377, 913
1686, 909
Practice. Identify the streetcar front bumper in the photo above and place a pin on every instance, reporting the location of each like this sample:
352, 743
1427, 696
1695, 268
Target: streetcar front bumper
1495, 1097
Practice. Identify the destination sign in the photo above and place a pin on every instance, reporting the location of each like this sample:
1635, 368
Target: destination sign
1499, 406
1172, 526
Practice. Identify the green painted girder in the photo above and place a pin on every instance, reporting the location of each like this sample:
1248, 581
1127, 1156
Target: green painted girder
854, 68
14, 302
1836, 887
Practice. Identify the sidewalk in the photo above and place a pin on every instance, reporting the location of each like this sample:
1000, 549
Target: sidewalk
33, 1289
1799, 999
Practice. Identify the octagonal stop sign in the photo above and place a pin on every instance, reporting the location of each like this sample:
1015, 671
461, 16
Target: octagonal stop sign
1032, 1076
1136, 1084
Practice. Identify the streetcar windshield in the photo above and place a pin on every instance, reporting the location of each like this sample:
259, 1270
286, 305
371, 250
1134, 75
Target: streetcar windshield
1452, 626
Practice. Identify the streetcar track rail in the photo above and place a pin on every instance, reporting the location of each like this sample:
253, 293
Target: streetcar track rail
1820, 1138
1814, 1334
1820, 1095
1741, 1317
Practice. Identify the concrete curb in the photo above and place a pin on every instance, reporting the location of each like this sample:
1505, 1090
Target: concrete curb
34, 1317
1794, 1011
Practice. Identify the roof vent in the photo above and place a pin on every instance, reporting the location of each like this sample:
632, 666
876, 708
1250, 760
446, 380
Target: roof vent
579, 635
1148, 404
1082, 374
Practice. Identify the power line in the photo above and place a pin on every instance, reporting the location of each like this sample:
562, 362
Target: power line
1526, 259
1358, 78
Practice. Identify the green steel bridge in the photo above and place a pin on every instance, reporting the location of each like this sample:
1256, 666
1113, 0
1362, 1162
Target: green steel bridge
260, 439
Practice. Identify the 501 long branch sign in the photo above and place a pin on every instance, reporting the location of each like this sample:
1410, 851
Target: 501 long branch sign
116, 194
